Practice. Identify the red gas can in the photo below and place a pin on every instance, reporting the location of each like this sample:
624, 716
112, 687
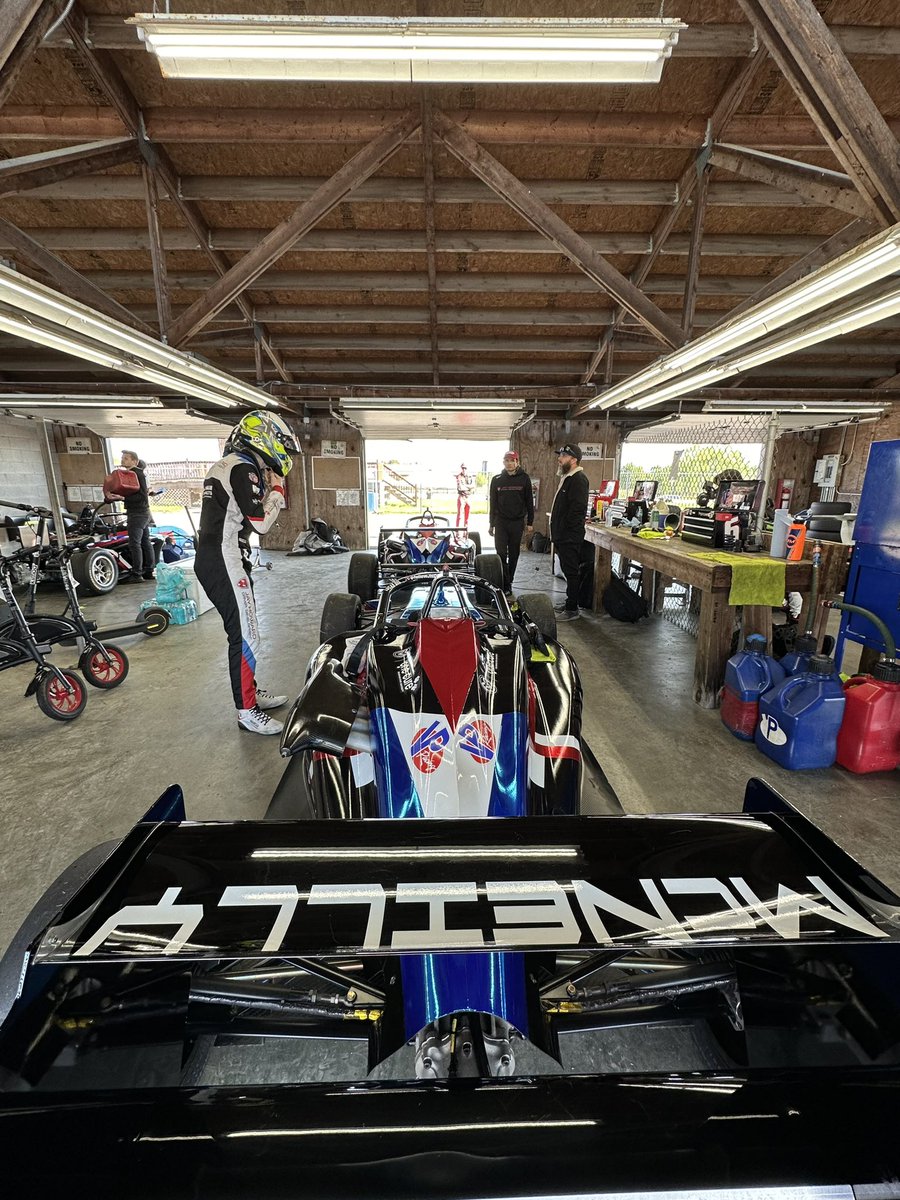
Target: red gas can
869, 739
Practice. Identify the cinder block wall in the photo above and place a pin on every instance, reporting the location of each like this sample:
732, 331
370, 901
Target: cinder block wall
21, 466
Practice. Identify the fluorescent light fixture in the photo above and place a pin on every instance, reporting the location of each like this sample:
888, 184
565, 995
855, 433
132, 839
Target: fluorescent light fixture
51, 319
795, 407
869, 263
414, 50
16, 402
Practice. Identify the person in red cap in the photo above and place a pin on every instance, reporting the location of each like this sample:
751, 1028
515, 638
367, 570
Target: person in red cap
511, 513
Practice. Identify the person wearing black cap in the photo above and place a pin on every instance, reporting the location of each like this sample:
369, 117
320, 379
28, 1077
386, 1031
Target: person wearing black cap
511, 512
567, 524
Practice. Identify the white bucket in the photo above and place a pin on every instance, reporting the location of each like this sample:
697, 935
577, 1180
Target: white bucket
783, 522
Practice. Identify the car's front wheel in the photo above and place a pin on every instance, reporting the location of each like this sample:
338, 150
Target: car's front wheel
362, 576
341, 614
96, 570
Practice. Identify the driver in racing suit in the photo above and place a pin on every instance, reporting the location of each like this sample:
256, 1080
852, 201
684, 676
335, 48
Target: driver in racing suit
235, 504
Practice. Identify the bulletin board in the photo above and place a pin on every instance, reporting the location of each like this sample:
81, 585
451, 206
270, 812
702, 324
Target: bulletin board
336, 473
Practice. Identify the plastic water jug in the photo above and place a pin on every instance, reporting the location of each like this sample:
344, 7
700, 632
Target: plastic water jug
797, 660
870, 735
781, 523
799, 719
748, 675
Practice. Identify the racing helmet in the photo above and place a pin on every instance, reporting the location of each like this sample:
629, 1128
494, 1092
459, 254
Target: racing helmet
268, 437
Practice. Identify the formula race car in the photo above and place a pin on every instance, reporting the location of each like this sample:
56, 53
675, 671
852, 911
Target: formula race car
530, 1007
424, 542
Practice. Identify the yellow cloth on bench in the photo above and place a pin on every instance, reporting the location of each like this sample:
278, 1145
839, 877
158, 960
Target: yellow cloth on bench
755, 579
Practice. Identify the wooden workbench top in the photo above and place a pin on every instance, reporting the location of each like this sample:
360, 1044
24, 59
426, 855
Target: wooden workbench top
679, 560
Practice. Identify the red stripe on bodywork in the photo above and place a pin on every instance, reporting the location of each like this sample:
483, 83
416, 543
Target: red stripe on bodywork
448, 652
556, 751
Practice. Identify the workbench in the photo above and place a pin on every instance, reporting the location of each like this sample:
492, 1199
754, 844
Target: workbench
663, 561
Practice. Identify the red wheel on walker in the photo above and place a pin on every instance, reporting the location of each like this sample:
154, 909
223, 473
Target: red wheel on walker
62, 702
104, 671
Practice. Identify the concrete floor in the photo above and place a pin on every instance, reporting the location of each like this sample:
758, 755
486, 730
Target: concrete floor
67, 787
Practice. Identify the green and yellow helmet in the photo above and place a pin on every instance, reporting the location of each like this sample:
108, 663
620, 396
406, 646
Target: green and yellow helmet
268, 437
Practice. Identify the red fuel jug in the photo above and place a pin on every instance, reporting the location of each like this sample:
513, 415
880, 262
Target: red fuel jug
869, 739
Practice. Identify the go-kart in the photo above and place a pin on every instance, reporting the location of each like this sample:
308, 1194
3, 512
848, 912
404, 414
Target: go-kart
423, 542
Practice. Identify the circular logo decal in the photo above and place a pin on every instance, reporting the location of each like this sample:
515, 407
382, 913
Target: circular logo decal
477, 738
427, 749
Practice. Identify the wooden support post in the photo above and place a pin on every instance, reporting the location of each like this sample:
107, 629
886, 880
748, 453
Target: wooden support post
157, 251
546, 222
308, 214
831, 92
757, 619
53, 166
602, 575
713, 647
692, 276
431, 258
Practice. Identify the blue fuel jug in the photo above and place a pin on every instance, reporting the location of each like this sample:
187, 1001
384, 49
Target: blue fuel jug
797, 660
799, 720
748, 675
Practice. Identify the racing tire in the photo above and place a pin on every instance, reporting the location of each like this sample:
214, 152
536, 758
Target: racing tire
341, 614
489, 567
96, 570
100, 673
55, 702
156, 621
362, 576
475, 539
540, 611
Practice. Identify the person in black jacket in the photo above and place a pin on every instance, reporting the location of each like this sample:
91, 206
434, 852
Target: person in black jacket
137, 510
511, 513
567, 519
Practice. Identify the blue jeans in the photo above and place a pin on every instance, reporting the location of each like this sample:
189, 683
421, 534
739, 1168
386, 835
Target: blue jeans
139, 541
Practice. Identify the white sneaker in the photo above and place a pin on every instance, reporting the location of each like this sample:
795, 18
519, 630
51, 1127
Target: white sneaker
254, 720
266, 700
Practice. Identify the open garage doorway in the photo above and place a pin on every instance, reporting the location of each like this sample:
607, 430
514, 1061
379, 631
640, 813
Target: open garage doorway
404, 477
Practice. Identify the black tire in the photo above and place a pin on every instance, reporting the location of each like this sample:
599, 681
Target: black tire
540, 611
362, 576
156, 621
101, 673
96, 570
475, 539
55, 702
489, 567
341, 614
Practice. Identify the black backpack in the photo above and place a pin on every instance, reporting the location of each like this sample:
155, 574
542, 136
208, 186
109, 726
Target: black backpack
622, 603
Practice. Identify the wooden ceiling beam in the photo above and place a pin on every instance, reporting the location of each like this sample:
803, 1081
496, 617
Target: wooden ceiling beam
61, 275
552, 227
23, 24
403, 241
53, 166
829, 89
157, 252
816, 185
109, 78
308, 214
297, 126
393, 190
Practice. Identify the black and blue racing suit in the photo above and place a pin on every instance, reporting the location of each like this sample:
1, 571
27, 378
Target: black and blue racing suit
234, 506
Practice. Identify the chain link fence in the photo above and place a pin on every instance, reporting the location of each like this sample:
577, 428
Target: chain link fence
698, 453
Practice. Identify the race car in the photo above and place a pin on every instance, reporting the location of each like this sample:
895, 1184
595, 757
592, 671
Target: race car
423, 542
679, 1006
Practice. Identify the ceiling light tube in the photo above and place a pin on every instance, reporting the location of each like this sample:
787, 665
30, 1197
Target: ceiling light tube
422, 49
17, 402
79, 326
867, 264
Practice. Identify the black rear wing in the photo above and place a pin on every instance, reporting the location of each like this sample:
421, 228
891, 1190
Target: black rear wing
177, 890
